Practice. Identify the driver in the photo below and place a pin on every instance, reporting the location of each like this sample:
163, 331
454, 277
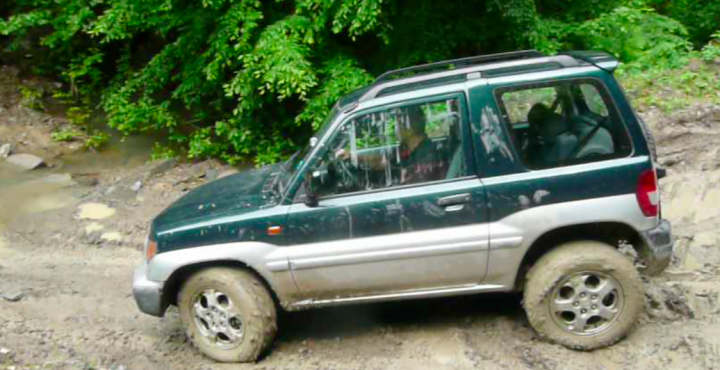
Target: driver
418, 160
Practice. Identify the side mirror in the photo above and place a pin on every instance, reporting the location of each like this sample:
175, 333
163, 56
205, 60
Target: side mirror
317, 183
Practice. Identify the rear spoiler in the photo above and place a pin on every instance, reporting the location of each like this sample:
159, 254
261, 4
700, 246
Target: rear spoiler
600, 59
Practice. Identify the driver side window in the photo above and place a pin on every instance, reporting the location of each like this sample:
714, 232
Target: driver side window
397, 146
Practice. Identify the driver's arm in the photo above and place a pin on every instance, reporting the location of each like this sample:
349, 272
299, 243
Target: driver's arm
373, 161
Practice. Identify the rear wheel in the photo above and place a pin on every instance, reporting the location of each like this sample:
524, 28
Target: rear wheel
228, 314
583, 295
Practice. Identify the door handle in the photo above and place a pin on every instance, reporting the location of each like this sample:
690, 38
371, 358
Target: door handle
454, 200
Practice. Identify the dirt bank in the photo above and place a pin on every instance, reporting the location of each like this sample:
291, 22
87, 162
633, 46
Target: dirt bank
67, 249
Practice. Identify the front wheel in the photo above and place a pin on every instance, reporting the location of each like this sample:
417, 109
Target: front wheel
583, 295
228, 314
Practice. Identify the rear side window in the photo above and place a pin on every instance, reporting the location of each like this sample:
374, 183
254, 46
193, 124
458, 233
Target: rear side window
518, 103
563, 123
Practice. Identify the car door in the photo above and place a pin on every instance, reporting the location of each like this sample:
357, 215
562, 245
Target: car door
397, 226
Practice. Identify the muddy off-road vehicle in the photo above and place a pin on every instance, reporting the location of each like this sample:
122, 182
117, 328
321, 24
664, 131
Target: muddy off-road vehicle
515, 172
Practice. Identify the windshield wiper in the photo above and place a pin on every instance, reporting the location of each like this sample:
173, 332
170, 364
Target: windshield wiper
277, 188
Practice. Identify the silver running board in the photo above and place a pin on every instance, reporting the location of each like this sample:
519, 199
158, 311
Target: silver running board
413, 294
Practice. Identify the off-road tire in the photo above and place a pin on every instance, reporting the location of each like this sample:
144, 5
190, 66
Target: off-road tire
576, 258
253, 301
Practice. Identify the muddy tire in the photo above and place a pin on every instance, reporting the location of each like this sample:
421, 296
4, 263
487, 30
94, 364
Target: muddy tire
228, 314
584, 295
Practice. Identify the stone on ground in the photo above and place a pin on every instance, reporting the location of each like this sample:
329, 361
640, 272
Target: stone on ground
5, 151
25, 161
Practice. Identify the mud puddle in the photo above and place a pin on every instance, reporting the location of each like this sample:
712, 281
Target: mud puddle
61, 183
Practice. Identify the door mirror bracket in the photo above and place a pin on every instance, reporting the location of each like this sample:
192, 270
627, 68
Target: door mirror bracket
317, 183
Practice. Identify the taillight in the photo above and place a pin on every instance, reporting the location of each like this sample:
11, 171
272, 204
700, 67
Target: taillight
647, 193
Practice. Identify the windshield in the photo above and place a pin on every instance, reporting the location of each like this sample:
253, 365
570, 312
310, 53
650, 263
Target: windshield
297, 160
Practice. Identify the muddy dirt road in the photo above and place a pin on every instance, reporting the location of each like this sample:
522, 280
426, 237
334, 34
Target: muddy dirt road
68, 245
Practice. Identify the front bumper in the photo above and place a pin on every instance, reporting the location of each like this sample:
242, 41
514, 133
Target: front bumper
148, 294
658, 248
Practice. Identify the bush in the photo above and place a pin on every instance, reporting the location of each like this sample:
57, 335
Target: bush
240, 79
711, 51
638, 36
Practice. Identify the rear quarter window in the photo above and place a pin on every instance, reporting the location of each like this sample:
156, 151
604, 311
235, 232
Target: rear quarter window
563, 123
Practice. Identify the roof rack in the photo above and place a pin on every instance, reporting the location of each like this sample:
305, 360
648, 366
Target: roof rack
469, 71
480, 59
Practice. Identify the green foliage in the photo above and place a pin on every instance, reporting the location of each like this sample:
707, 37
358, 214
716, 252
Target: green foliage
240, 79
67, 134
78, 116
675, 89
701, 17
160, 152
639, 36
96, 139
338, 75
711, 51
32, 98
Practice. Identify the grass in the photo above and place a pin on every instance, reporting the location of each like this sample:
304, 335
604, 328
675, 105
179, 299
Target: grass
673, 89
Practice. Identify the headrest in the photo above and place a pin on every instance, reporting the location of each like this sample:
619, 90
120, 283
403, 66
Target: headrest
547, 123
538, 113
552, 127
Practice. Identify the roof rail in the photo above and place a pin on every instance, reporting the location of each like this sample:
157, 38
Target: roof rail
375, 90
462, 62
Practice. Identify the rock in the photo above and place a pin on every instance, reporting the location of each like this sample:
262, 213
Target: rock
26, 161
13, 296
198, 170
227, 173
137, 186
211, 174
5, 150
87, 181
93, 238
62, 179
163, 167
5, 355
110, 190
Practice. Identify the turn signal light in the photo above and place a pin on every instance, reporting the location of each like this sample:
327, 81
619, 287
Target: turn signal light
150, 250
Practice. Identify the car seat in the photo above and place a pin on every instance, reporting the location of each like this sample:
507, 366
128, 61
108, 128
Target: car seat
558, 141
594, 138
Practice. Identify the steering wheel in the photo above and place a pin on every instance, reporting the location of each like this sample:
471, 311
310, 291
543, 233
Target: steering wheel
345, 174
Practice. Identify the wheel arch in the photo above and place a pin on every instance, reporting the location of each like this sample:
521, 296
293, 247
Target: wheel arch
612, 233
176, 279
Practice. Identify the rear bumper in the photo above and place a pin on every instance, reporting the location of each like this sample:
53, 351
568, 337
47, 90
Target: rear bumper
658, 249
148, 294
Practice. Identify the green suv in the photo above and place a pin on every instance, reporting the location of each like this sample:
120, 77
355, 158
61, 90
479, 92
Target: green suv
514, 172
